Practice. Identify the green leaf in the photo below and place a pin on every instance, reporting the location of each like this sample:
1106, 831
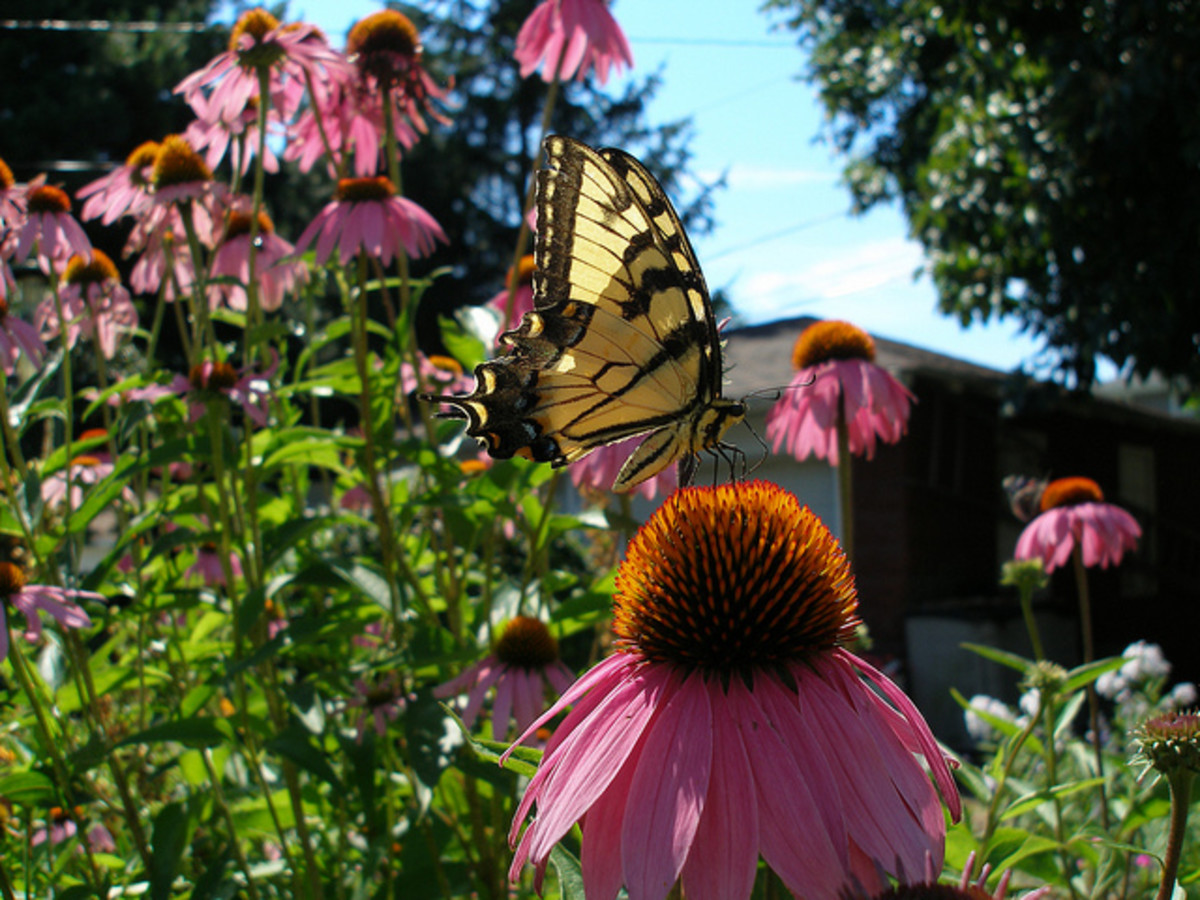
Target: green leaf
1084, 675
199, 731
32, 789
569, 872
1020, 663
293, 743
170, 837
1030, 802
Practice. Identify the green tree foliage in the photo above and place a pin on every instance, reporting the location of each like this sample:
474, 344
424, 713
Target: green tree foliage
1045, 153
94, 95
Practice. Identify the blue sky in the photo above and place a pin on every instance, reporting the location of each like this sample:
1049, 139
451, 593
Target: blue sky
784, 244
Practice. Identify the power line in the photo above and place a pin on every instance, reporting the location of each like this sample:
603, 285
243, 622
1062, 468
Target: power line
94, 25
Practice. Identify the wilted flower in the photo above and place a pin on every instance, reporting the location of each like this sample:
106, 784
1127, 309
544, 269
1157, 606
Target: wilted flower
31, 600
1074, 513
837, 381
733, 723
523, 661
565, 38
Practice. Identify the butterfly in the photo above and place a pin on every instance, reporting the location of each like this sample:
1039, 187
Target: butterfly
621, 341
1024, 495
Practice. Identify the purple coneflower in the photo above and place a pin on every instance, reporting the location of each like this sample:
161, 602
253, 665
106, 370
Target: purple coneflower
49, 227
837, 380
733, 723
276, 269
378, 703
522, 662
94, 303
208, 567
1074, 512
208, 380
565, 38
31, 600
124, 190
368, 217
18, 337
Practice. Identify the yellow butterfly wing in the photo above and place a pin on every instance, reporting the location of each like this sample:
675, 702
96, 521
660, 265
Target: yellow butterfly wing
622, 339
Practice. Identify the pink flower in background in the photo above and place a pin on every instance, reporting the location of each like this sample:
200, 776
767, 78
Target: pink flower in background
12, 197
378, 703
368, 217
89, 468
50, 228
522, 294
837, 377
18, 338
277, 271
250, 390
94, 303
731, 722
215, 136
521, 665
165, 263
440, 373
229, 85
31, 600
599, 469
208, 567
122, 192
180, 175
1074, 513
581, 33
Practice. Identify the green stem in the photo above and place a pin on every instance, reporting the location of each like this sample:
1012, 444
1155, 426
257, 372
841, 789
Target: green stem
1025, 593
1051, 754
1089, 653
5, 885
1180, 782
993, 817
218, 796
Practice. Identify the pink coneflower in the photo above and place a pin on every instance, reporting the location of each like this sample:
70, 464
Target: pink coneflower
258, 41
208, 566
520, 285
214, 136
18, 338
180, 175
277, 271
94, 303
124, 190
837, 379
732, 722
566, 38
60, 826
386, 51
31, 600
599, 469
1074, 512
521, 663
89, 468
50, 227
209, 380
379, 703
165, 263
368, 217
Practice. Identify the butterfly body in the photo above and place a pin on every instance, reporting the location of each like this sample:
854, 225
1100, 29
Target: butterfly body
622, 340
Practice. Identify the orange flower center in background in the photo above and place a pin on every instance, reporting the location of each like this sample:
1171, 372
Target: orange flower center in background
237, 223
823, 341
257, 23
446, 364
734, 578
524, 271
223, 376
384, 32
143, 155
6, 176
177, 163
1069, 492
12, 579
48, 199
97, 270
528, 643
472, 466
364, 190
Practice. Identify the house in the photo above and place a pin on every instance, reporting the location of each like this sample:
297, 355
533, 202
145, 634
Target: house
932, 526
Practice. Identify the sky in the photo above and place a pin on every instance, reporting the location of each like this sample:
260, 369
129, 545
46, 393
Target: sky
784, 243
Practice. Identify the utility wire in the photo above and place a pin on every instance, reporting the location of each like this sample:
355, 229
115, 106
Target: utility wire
105, 25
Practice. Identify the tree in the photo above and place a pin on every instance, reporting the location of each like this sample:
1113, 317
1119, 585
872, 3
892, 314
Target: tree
1046, 155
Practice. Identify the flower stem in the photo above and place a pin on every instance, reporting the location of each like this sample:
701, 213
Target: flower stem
1089, 653
1180, 782
845, 486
